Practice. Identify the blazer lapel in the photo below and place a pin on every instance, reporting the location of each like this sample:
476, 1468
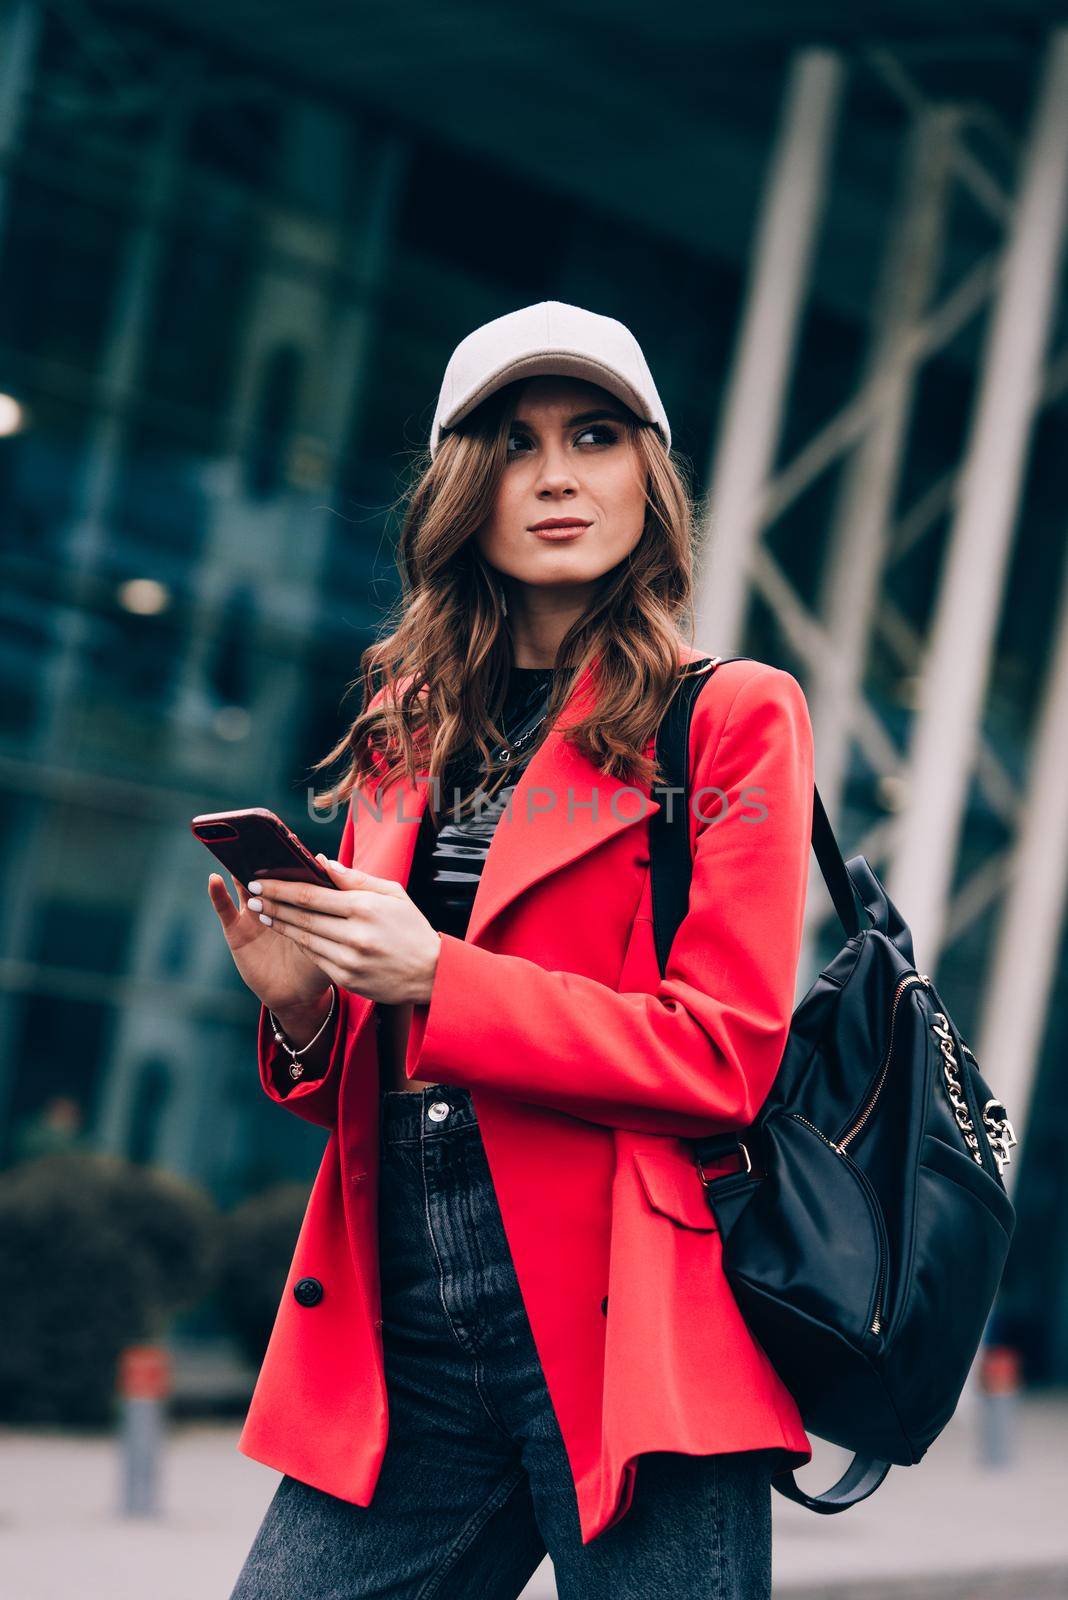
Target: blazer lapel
561, 807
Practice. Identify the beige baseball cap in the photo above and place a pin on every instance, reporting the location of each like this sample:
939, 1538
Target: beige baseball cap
550, 337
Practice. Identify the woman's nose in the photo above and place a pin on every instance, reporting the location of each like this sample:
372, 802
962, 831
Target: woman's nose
556, 478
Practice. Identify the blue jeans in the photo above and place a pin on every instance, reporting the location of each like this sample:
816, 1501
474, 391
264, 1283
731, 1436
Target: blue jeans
475, 1485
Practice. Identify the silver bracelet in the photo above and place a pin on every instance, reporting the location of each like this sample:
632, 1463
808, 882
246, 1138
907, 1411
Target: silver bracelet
296, 1067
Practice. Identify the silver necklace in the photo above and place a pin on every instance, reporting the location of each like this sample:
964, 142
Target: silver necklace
503, 754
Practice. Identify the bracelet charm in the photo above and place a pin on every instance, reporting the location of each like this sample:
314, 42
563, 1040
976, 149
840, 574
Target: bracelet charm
296, 1066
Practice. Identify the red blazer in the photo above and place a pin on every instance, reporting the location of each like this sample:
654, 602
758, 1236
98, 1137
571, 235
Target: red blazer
586, 1072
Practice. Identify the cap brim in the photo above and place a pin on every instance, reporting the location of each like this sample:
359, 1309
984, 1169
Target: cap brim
547, 363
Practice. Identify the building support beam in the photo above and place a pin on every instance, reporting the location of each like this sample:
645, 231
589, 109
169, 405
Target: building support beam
752, 415
955, 673
858, 547
1030, 931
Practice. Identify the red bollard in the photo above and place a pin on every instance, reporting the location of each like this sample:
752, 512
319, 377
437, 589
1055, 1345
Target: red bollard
999, 1386
144, 1382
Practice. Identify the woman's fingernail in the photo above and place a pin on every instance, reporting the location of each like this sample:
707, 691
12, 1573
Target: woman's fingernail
266, 919
255, 905
254, 888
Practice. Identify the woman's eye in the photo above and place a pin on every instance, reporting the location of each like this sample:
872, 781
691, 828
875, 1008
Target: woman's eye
599, 435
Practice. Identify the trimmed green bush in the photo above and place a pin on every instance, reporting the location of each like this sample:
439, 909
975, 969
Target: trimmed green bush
95, 1254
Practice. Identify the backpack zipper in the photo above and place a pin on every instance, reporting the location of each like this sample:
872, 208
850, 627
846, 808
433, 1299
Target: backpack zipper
876, 1324
904, 983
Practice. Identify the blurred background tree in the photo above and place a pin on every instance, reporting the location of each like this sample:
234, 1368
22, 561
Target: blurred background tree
96, 1253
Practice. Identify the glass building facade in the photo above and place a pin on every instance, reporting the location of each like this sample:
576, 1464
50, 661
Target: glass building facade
230, 276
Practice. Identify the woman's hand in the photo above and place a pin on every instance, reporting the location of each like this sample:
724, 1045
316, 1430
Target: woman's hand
366, 934
277, 972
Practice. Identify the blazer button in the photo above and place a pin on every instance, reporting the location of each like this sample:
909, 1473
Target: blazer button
604, 1305
308, 1291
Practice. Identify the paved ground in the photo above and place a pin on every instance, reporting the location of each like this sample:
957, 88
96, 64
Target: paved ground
945, 1530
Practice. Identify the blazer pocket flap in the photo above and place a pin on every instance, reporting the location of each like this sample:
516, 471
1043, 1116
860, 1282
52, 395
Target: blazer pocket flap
672, 1186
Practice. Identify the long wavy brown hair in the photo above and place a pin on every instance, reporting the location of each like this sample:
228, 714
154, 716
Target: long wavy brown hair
435, 684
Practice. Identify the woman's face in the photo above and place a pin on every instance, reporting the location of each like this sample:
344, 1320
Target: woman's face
570, 456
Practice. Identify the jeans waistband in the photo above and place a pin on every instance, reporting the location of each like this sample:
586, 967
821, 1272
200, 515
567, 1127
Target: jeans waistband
410, 1114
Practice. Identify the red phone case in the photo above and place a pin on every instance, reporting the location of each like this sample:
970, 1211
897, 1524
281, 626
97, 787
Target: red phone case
254, 843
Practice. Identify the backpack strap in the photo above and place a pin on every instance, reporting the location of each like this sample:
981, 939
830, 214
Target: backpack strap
860, 1479
669, 836
669, 843
670, 872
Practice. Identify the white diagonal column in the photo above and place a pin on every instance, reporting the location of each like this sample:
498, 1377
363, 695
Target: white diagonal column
856, 552
756, 393
1016, 1003
966, 616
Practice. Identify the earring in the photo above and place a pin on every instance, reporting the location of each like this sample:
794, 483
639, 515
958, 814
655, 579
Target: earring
504, 602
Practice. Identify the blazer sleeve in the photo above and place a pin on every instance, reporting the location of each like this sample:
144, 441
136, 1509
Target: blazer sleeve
314, 1099
700, 1054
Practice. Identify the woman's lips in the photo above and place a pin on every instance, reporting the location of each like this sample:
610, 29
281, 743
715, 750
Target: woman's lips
557, 535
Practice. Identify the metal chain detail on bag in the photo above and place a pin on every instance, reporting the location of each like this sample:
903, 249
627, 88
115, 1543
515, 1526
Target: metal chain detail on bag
1000, 1134
1000, 1131
950, 1070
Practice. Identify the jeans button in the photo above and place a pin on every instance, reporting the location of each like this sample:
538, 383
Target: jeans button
438, 1110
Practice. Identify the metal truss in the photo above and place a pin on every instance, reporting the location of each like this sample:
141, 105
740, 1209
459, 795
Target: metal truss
868, 438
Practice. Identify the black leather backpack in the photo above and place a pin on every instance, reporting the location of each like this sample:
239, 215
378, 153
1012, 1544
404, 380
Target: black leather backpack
865, 1232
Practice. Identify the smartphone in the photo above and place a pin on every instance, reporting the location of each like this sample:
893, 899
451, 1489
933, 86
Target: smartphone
254, 844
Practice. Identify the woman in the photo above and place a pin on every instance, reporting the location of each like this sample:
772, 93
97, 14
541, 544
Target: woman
506, 1328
